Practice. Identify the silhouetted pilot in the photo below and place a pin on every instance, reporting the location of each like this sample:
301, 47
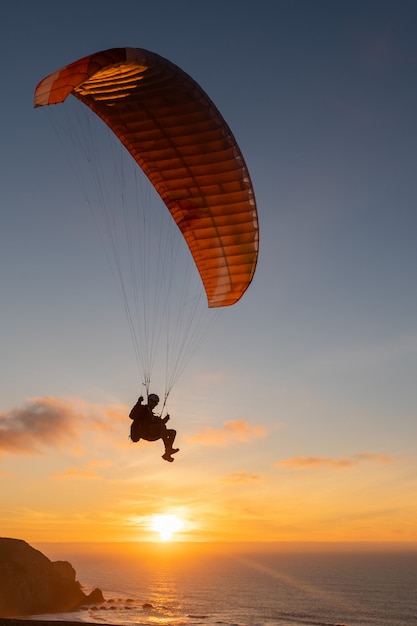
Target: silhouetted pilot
146, 425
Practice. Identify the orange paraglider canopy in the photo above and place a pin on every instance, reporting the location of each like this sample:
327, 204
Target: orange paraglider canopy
179, 139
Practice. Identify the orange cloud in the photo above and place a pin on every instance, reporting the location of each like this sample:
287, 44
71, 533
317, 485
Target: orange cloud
241, 477
76, 472
87, 472
42, 421
53, 422
232, 431
314, 462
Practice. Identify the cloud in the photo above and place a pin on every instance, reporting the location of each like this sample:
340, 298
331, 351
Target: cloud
53, 422
380, 50
76, 472
315, 462
241, 477
232, 431
88, 472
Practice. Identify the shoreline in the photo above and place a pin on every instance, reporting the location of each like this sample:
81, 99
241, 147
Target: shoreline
16, 621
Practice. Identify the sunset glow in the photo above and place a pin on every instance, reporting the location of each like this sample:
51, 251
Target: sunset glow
295, 415
166, 526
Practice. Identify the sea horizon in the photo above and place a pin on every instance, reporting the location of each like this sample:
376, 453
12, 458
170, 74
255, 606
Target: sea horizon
236, 546
243, 584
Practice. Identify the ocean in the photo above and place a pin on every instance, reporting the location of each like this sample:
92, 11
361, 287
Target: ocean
171, 585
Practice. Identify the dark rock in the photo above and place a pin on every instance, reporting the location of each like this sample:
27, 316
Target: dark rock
65, 569
31, 584
95, 597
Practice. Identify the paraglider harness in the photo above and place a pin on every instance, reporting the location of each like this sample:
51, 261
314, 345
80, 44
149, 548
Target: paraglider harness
137, 411
139, 416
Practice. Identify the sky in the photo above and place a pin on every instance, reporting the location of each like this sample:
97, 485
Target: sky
296, 417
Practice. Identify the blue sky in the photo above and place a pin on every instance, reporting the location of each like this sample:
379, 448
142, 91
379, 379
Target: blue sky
321, 352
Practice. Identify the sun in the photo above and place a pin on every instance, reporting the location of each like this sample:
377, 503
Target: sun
166, 525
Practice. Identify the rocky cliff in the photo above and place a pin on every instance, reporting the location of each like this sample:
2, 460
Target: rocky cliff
31, 584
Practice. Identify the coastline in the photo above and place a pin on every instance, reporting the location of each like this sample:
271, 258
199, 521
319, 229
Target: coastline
16, 621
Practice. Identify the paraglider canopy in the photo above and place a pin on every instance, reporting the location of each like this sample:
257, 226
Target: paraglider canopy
179, 139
